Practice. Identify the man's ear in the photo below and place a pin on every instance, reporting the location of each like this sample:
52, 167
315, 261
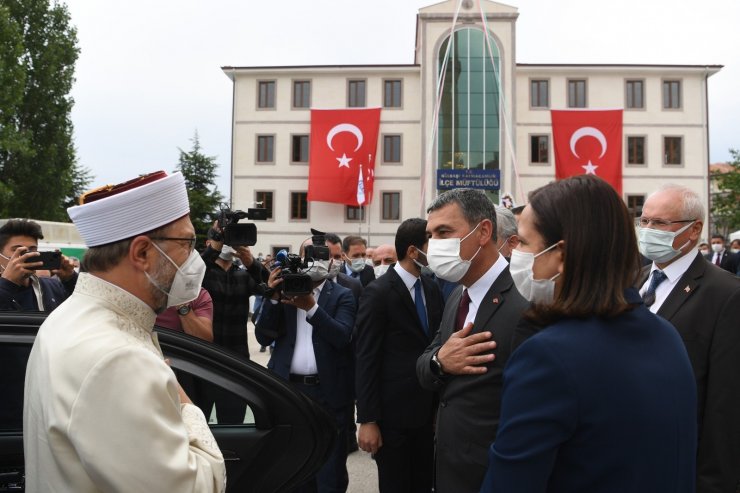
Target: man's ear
513, 241
486, 231
141, 253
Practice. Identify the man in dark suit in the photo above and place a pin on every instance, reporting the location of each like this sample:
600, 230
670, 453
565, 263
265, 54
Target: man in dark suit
720, 257
399, 314
312, 335
463, 362
337, 272
703, 302
355, 248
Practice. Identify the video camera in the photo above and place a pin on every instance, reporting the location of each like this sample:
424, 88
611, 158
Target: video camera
234, 234
295, 281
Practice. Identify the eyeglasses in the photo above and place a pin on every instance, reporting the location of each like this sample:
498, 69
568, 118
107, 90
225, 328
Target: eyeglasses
191, 241
644, 222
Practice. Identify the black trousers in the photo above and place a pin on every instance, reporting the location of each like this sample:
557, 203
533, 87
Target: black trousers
406, 460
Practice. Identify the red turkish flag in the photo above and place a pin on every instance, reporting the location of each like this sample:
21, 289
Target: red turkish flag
342, 159
588, 142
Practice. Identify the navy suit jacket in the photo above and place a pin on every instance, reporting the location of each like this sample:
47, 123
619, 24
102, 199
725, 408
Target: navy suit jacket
332, 330
53, 293
597, 405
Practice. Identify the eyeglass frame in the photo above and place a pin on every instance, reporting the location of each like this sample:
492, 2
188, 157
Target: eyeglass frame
659, 223
191, 240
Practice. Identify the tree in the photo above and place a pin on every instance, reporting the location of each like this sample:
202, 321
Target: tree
200, 175
726, 203
38, 167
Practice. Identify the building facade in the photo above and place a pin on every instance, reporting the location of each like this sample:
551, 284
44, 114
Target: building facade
463, 104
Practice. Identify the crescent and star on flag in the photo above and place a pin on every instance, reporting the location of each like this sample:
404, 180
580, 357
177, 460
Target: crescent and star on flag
590, 132
344, 160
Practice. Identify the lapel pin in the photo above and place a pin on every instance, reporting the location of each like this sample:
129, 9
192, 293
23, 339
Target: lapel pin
495, 300
687, 289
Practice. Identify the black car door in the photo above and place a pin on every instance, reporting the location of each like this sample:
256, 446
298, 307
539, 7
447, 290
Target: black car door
281, 438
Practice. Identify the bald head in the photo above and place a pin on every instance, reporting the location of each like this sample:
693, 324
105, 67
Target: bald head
384, 255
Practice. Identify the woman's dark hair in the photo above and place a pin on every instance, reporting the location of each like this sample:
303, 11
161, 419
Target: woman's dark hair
600, 251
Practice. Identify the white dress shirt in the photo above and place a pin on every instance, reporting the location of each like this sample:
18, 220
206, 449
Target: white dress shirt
673, 273
304, 359
480, 287
102, 410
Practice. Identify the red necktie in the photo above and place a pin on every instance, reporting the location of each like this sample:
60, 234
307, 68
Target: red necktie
462, 310
716, 258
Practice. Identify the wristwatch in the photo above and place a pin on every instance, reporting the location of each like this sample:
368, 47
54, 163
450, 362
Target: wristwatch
183, 309
436, 365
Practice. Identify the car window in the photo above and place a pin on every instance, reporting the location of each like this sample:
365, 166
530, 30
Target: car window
219, 405
13, 358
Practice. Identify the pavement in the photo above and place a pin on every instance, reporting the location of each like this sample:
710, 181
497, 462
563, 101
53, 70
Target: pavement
363, 474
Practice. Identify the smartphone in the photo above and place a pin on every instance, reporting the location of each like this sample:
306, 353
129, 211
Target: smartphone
51, 260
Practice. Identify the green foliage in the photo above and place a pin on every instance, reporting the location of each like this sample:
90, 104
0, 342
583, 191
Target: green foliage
38, 168
726, 204
200, 175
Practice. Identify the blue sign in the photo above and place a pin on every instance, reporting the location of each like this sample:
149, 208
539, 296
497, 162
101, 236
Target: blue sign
481, 179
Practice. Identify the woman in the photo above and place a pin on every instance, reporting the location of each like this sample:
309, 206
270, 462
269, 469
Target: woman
603, 397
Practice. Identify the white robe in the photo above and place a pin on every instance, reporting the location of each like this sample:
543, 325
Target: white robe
102, 410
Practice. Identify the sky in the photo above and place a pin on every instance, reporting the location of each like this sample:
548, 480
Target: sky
149, 72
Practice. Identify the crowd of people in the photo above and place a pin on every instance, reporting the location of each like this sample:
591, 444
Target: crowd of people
561, 347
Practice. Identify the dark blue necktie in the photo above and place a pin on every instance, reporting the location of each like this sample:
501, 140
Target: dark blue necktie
649, 296
420, 309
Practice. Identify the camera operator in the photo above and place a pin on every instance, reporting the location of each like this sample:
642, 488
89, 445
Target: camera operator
20, 287
230, 288
312, 333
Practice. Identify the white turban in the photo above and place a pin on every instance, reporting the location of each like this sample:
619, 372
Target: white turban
133, 211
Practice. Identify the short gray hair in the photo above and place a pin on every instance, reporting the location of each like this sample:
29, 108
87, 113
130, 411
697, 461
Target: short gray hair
474, 205
692, 208
506, 227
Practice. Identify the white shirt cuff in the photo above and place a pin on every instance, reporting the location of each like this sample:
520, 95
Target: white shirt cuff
313, 309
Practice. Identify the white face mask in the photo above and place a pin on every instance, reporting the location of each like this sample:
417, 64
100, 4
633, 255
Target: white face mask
380, 270
318, 271
356, 264
188, 279
444, 258
369, 262
657, 245
717, 247
735, 250
227, 253
534, 290
332, 268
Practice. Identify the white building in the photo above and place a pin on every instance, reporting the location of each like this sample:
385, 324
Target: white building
665, 124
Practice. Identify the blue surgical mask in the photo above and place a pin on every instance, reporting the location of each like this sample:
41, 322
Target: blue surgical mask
657, 245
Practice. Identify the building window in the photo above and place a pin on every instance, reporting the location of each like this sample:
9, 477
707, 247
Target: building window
671, 94
298, 205
391, 148
635, 94
469, 128
392, 94
265, 148
672, 152
354, 213
539, 94
391, 206
299, 149
576, 93
635, 150
266, 96
263, 199
539, 146
301, 94
634, 205
356, 94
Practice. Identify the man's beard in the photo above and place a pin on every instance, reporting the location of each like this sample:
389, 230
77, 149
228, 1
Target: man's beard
164, 276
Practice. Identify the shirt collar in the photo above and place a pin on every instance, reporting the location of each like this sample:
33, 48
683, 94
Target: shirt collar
674, 271
480, 287
407, 277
